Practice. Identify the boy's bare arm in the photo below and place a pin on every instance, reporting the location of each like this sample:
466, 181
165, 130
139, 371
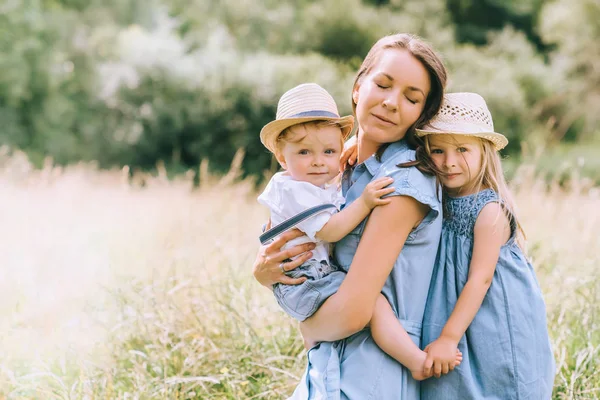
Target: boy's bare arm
343, 222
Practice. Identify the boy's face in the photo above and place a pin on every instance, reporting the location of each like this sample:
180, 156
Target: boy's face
460, 157
311, 153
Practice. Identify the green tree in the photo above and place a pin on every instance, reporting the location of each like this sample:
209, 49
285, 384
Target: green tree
574, 29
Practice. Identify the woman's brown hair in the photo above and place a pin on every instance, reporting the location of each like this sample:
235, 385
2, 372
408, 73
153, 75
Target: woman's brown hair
423, 52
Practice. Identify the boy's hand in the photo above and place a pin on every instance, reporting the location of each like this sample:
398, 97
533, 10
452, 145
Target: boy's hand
349, 154
442, 356
417, 370
371, 196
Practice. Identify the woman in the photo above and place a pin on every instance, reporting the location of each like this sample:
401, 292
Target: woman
399, 87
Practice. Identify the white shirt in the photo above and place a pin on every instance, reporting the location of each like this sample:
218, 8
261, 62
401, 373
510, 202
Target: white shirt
287, 197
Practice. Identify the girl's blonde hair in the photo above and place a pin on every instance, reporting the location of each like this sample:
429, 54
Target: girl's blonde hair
491, 176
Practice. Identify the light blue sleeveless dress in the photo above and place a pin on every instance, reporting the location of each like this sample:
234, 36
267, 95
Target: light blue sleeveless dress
356, 368
506, 349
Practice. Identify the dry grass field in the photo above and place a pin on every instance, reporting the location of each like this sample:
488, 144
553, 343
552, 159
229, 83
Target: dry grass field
110, 289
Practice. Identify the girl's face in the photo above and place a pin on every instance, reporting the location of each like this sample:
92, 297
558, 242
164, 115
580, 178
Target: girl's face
460, 158
390, 99
311, 153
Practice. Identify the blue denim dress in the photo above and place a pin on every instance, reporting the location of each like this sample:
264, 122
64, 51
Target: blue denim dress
356, 368
506, 349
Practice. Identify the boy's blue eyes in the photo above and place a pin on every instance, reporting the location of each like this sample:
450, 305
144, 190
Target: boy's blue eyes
328, 151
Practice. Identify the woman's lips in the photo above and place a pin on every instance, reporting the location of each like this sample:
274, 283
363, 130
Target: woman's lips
384, 120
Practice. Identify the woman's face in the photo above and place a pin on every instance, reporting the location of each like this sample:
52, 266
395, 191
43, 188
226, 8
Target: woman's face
390, 99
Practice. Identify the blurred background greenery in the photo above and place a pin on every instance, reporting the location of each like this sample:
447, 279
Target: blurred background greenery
132, 82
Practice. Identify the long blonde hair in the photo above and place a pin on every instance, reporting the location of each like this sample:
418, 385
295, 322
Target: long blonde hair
491, 176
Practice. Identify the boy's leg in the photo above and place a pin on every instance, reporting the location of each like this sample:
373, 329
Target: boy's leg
303, 300
391, 337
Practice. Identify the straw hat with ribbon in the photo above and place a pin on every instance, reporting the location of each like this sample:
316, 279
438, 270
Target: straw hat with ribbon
304, 103
464, 114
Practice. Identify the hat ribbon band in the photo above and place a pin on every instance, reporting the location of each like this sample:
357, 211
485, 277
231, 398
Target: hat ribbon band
315, 113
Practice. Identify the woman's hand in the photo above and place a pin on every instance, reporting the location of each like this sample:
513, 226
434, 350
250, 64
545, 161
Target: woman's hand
349, 154
270, 264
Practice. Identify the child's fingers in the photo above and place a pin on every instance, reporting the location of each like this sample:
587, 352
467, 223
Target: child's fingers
428, 364
445, 368
437, 368
382, 202
384, 191
381, 183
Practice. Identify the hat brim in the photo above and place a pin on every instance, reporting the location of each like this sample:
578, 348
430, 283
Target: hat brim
499, 140
270, 132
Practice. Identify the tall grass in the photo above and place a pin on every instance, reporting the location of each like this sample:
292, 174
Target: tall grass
114, 287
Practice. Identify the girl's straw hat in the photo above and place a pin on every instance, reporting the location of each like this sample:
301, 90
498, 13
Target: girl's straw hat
464, 114
304, 103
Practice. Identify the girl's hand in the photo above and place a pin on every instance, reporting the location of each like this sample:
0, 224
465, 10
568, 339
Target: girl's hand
349, 154
270, 263
442, 356
372, 193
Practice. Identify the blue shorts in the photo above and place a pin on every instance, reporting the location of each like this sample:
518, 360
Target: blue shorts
303, 300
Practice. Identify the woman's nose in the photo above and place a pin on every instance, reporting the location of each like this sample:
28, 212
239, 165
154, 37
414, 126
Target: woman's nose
390, 103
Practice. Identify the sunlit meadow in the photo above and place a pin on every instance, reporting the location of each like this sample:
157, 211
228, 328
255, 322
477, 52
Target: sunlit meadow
119, 287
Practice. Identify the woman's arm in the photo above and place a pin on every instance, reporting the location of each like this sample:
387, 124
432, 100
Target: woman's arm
351, 308
491, 231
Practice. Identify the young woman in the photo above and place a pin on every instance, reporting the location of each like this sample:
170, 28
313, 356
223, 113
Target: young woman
398, 88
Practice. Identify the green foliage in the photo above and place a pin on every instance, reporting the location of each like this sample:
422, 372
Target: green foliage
574, 29
134, 82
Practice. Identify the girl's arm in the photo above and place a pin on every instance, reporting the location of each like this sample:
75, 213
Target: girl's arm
340, 224
351, 308
491, 231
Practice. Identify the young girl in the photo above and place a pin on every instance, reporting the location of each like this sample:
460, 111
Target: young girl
307, 139
484, 297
